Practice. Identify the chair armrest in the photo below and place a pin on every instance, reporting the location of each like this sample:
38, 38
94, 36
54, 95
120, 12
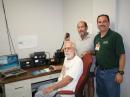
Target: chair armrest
64, 92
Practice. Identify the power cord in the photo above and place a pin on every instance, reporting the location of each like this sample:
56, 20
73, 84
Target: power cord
11, 45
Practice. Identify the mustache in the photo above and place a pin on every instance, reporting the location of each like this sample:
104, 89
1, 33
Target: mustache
102, 25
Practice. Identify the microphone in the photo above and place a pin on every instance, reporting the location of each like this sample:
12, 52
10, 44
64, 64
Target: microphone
67, 38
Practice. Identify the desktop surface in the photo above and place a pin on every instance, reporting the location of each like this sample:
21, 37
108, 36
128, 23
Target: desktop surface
28, 75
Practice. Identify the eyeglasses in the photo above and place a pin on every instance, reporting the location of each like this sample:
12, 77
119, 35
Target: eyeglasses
67, 48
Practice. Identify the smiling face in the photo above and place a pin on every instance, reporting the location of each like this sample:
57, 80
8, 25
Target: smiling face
103, 23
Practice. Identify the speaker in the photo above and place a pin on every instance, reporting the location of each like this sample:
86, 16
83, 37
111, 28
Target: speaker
59, 57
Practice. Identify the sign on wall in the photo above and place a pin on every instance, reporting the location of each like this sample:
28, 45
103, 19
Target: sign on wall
27, 41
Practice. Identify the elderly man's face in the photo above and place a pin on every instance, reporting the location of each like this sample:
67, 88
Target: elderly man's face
69, 50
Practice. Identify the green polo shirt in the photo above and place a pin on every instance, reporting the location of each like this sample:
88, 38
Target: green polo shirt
108, 49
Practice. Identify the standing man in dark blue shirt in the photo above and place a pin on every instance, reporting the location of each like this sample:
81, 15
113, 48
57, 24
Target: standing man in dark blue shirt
110, 59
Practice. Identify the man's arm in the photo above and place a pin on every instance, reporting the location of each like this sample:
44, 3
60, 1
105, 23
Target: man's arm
119, 77
53, 67
65, 81
88, 52
122, 62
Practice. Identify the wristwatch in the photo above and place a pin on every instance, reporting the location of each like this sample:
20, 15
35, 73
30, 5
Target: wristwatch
121, 72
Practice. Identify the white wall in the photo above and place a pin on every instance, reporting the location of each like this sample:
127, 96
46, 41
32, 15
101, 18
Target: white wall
4, 48
40, 18
124, 29
45, 18
73, 12
104, 7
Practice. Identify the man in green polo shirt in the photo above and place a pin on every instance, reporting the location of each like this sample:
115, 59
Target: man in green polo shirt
110, 59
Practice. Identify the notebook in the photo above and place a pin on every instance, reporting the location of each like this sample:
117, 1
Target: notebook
9, 66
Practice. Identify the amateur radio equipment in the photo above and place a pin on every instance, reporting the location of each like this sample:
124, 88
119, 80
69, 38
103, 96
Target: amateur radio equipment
26, 63
38, 55
36, 59
39, 58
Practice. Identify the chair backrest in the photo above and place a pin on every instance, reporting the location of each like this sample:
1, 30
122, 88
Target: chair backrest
87, 62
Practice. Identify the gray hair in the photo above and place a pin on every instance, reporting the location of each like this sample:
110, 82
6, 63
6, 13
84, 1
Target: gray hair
72, 44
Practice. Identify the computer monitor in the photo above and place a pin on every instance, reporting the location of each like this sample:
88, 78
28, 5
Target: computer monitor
9, 62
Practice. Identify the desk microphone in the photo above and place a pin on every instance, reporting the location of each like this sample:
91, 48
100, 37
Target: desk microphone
67, 38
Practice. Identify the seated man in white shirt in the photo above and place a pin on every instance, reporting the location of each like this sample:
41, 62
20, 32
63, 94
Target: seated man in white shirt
70, 73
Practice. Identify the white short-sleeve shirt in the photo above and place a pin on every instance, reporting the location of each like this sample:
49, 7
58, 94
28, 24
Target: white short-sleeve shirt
74, 69
85, 44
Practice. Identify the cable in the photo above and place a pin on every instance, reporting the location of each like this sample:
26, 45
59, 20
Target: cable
11, 45
62, 46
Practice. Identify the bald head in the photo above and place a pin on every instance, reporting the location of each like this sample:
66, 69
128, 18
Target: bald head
83, 23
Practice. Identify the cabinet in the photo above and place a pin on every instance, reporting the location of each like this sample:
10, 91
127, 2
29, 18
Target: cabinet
18, 89
23, 88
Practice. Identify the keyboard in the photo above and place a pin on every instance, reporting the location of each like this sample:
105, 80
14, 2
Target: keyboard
14, 72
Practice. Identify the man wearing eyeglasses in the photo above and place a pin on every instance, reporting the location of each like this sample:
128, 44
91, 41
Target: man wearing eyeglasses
69, 76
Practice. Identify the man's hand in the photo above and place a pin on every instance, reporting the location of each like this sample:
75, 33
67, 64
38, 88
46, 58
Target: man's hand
83, 54
87, 52
52, 67
47, 90
119, 78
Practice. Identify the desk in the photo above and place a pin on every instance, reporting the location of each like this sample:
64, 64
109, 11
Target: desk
20, 86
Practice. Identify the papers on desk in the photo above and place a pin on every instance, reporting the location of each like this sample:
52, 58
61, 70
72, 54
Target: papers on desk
47, 69
37, 72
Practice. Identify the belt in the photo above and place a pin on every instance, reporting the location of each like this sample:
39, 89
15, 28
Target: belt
106, 68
